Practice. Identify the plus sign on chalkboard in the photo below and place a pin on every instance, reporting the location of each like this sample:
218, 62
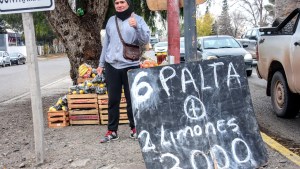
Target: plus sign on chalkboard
196, 115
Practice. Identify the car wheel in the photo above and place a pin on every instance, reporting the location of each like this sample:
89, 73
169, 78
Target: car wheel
249, 72
3, 64
284, 102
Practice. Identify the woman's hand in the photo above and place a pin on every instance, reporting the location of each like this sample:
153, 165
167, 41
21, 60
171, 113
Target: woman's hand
99, 70
132, 21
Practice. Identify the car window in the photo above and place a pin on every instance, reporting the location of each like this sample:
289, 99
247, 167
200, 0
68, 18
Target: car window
153, 40
220, 42
253, 33
13, 54
248, 34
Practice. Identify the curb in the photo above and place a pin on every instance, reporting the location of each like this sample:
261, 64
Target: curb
281, 149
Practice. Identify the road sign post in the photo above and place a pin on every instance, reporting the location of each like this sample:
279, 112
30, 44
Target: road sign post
35, 88
25, 7
16, 6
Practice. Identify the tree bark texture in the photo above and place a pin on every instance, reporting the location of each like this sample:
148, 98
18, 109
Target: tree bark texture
284, 7
79, 34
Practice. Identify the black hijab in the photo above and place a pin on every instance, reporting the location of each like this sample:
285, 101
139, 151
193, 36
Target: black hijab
125, 14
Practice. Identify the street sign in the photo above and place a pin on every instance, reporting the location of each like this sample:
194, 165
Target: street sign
21, 6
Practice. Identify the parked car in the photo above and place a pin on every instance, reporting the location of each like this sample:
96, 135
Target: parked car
17, 58
182, 51
212, 47
161, 47
279, 64
4, 59
250, 39
153, 41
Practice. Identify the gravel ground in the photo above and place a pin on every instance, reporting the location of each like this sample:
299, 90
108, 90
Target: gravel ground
74, 146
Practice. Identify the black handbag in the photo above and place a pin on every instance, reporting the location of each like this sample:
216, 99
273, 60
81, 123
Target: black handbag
130, 52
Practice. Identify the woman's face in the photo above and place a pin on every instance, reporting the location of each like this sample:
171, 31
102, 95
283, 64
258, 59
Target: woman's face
121, 5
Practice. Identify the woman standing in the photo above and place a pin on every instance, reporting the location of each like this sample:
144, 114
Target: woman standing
134, 30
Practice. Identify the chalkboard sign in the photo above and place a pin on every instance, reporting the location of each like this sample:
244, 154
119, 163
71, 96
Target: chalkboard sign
196, 115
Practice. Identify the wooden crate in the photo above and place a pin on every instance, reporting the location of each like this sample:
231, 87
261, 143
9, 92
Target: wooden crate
58, 119
81, 79
83, 109
84, 116
103, 109
82, 101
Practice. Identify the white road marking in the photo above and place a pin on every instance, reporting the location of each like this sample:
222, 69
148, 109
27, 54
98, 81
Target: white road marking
27, 93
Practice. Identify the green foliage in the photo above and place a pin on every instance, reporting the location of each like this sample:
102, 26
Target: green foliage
2, 27
224, 21
205, 25
14, 21
43, 30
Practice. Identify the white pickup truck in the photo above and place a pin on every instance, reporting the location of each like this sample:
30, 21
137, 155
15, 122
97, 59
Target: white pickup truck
279, 64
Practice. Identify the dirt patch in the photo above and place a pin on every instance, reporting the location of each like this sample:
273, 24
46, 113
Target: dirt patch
74, 146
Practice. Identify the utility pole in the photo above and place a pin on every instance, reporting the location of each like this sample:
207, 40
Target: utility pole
190, 34
173, 29
35, 88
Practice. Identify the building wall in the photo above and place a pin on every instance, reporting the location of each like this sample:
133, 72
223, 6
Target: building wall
3, 42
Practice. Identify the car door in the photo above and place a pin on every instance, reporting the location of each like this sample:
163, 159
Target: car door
6, 57
1, 58
295, 58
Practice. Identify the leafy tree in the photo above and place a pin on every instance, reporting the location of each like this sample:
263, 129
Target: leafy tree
14, 21
43, 30
224, 21
2, 26
204, 25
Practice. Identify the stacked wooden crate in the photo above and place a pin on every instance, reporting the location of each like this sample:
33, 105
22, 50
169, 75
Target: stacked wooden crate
83, 109
103, 109
57, 119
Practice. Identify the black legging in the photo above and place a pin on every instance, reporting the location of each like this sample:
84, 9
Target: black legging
115, 79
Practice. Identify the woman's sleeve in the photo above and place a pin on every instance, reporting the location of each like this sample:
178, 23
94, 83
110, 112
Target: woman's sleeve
103, 52
143, 32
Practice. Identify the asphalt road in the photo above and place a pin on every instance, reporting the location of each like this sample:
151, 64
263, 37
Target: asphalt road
284, 130
14, 80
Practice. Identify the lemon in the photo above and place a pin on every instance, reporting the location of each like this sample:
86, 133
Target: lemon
89, 84
81, 91
101, 85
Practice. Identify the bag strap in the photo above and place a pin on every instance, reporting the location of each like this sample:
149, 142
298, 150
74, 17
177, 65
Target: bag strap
119, 31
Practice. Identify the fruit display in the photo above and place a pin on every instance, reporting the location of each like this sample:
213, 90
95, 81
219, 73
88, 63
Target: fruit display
96, 85
61, 104
85, 70
148, 63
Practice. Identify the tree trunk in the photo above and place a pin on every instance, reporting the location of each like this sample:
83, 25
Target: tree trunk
284, 7
79, 34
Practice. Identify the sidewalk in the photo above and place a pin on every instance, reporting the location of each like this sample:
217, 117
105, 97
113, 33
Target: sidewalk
74, 146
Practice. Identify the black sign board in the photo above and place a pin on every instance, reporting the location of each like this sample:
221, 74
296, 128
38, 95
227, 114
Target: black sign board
196, 115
